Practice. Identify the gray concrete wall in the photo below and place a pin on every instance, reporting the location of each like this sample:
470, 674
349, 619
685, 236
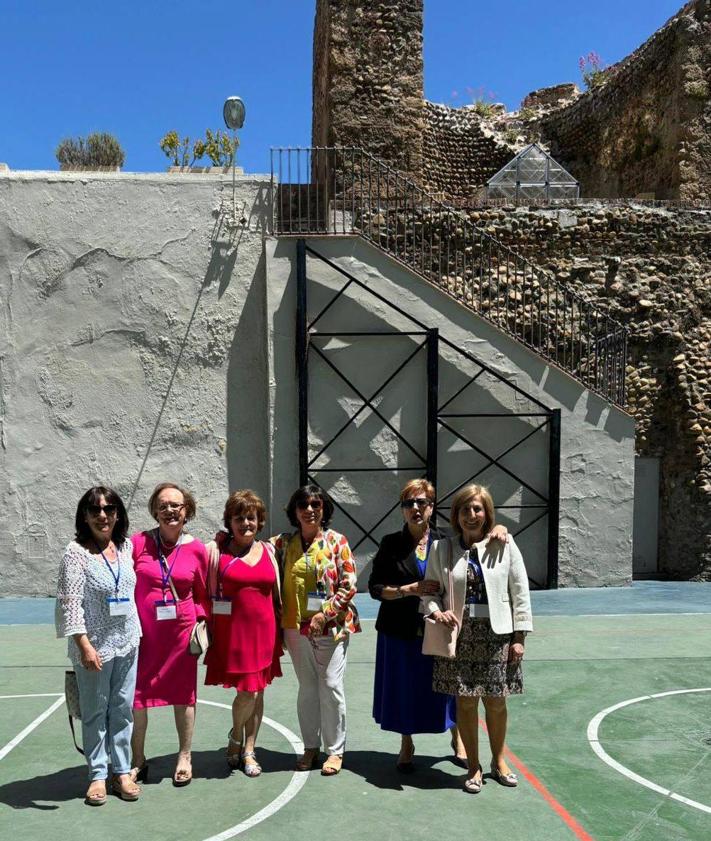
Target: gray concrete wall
132, 351
597, 450
145, 337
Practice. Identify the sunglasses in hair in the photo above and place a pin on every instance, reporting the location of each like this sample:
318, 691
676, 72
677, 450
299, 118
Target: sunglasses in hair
95, 510
419, 501
313, 504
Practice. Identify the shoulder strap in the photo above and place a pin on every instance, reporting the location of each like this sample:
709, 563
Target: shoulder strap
71, 725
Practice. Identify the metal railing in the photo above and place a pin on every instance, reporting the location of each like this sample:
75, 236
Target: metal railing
347, 191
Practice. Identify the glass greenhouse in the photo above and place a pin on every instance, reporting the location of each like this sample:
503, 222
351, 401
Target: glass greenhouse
532, 175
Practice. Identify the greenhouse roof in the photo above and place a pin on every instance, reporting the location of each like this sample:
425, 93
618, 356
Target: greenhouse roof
533, 173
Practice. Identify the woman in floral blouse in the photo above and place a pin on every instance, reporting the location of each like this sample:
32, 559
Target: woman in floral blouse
318, 618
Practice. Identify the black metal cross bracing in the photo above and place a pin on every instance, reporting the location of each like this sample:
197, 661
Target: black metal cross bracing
440, 415
347, 191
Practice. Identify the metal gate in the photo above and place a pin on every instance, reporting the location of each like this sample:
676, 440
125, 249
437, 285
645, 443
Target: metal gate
379, 405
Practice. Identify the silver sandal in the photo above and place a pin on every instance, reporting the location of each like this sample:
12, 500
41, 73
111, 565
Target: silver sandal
472, 785
510, 779
253, 769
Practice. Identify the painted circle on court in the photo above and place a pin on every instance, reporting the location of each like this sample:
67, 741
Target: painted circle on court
594, 727
297, 782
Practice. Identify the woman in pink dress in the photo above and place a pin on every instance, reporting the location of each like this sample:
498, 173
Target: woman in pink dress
246, 601
171, 572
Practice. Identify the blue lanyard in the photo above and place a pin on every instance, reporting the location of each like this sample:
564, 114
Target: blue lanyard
116, 576
165, 570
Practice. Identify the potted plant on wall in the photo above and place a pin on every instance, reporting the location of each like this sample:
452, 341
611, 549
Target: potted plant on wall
218, 146
99, 152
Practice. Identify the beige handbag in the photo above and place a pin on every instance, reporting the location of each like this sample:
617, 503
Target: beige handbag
200, 638
440, 640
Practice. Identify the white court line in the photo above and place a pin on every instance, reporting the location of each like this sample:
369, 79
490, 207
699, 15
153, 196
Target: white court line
34, 695
13, 743
594, 726
297, 782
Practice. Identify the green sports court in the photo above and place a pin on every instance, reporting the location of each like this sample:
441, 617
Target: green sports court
611, 740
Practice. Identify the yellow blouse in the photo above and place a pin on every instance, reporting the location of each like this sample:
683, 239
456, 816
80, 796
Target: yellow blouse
300, 579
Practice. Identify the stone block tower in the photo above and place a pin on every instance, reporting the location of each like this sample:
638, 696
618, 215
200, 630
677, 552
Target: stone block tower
367, 79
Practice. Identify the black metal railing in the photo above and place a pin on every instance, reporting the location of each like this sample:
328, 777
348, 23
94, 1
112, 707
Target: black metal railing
345, 191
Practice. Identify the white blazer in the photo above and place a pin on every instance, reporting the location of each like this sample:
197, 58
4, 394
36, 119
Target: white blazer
505, 580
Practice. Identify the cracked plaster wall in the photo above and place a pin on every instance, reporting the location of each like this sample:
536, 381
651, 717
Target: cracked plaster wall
131, 343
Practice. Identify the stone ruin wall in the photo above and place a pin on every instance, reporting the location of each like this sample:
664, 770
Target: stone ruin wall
646, 129
651, 269
367, 83
460, 152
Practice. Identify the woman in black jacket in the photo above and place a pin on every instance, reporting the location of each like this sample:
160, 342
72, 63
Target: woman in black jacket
403, 699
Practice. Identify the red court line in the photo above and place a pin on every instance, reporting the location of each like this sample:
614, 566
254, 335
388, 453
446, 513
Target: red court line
557, 807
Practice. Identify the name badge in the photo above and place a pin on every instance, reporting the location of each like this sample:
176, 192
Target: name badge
166, 610
478, 611
119, 607
315, 602
222, 606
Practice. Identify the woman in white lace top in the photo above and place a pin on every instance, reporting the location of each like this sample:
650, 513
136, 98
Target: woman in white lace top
96, 611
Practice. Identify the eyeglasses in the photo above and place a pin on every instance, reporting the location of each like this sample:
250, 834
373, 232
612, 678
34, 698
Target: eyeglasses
313, 504
95, 510
419, 501
170, 506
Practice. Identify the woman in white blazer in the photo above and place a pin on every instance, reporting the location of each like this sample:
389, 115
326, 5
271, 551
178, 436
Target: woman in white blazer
484, 598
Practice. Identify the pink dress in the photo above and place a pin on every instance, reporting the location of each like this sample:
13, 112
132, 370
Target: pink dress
245, 648
167, 672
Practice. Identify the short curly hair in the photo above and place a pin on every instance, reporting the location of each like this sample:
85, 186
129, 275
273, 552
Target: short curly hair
304, 494
188, 500
242, 502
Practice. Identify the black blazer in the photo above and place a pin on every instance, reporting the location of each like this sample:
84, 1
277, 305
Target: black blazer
395, 564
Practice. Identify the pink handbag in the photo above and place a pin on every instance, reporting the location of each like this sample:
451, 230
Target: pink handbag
441, 640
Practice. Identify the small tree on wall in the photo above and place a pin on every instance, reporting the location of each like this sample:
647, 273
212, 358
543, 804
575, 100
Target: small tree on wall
100, 150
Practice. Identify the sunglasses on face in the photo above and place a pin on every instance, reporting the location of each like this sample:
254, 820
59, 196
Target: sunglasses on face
95, 510
313, 504
419, 501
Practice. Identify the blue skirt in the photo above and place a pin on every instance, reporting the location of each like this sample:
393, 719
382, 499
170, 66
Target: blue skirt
403, 699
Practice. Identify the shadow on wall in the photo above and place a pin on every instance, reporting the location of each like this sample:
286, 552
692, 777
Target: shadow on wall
349, 445
247, 427
225, 240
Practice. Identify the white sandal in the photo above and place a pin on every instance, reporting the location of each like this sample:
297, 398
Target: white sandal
251, 769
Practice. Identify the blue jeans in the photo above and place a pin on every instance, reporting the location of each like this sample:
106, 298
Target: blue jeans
106, 702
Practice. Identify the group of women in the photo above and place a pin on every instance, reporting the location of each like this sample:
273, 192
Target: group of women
129, 607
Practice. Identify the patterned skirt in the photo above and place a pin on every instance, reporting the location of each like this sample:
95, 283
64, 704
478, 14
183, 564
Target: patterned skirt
481, 666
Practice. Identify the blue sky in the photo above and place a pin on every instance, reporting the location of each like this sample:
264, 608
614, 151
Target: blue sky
139, 69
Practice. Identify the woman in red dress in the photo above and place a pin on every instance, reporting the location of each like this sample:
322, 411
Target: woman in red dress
171, 571
246, 601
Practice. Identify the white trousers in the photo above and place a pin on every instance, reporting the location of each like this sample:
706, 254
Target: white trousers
320, 666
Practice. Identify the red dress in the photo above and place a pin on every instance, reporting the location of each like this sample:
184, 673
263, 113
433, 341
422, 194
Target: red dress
245, 648
167, 671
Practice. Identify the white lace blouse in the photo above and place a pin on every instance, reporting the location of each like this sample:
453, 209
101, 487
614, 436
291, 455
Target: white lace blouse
85, 583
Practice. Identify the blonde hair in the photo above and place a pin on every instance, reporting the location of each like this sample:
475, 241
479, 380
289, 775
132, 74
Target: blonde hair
418, 486
465, 495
